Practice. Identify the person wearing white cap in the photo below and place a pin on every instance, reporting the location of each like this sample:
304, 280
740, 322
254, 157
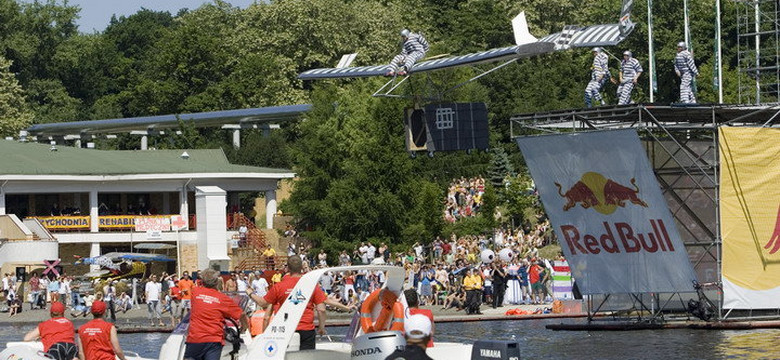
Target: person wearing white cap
599, 73
414, 48
685, 68
417, 330
630, 69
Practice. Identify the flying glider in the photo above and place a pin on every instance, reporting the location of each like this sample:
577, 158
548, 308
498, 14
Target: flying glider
526, 45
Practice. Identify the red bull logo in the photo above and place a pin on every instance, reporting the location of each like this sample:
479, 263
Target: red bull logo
774, 241
604, 195
618, 237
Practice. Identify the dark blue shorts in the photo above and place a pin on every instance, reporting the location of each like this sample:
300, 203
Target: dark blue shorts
203, 351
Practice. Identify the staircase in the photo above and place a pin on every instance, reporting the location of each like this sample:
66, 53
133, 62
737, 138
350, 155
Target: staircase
248, 255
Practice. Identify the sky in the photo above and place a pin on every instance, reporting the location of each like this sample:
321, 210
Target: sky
95, 14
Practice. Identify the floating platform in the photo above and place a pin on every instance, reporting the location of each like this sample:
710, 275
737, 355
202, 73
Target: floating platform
697, 325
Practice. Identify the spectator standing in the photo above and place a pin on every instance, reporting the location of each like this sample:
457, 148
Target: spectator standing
260, 284
472, 283
499, 283
269, 255
98, 338
152, 291
363, 250
322, 258
35, 290
326, 282
185, 286
209, 310
370, 253
344, 258
109, 297
56, 334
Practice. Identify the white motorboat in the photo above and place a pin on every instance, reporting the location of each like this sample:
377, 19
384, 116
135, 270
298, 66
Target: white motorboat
33, 350
279, 341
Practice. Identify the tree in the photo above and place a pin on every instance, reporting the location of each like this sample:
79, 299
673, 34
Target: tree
500, 168
14, 114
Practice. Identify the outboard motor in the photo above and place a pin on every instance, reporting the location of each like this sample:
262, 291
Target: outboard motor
495, 349
377, 345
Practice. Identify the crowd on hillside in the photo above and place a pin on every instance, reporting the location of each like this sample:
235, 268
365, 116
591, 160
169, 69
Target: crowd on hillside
464, 197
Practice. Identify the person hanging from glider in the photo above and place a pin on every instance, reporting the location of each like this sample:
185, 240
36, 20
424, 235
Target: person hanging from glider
413, 49
599, 73
686, 70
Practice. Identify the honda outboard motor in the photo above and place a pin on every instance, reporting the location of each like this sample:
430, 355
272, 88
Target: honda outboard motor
377, 345
493, 349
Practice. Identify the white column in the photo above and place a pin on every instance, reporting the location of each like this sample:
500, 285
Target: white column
184, 209
210, 202
2, 201
94, 250
166, 208
270, 208
93, 213
236, 138
144, 142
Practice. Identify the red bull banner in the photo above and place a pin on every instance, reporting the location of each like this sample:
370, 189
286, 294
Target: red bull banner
750, 217
606, 207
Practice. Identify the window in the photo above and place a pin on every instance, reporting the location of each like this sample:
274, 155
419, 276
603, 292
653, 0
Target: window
444, 118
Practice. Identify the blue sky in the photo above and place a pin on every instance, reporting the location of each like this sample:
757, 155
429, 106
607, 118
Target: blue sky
95, 14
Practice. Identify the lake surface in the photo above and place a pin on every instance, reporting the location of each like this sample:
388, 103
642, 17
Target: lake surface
540, 343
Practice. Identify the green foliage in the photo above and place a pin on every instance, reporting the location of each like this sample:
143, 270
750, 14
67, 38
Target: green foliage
14, 114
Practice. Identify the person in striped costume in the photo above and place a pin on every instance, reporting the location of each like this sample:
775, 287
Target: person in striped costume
414, 48
630, 69
686, 69
599, 74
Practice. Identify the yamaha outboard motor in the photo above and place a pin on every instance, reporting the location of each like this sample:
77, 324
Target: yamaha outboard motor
494, 349
377, 345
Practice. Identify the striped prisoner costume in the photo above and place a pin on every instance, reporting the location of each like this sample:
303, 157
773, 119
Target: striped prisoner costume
599, 74
414, 48
686, 70
630, 69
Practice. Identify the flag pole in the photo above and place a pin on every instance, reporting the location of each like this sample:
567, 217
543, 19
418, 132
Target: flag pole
651, 60
719, 53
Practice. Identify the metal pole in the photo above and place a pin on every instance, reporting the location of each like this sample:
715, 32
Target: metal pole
757, 28
718, 239
178, 253
650, 47
685, 19
719, 54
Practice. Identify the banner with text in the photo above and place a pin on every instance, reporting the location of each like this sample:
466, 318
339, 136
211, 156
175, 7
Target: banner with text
607, 210
750, 216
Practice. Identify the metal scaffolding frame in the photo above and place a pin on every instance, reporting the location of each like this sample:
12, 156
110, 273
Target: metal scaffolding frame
682, 145
758, 51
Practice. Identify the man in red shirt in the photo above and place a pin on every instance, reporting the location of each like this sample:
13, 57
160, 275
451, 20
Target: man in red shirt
278, 294
413, 303
535, 280
56, 334
97, 338
210, 308
185, 285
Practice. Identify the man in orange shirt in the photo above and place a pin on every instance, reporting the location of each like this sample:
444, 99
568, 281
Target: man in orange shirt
210, 308
97, 338
278, 294
56, 334
185, 285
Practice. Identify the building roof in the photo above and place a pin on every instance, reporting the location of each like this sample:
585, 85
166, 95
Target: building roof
24, 158
242, 117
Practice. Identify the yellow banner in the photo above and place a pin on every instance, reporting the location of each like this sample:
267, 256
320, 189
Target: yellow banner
125, 221
750, 215
64, 222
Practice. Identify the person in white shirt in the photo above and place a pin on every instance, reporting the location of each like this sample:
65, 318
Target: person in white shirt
152, 290
109, 297
363, 249
370, 252
65, 290
241, 283
260, 285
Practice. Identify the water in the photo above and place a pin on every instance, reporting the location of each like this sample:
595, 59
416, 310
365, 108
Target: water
540, 343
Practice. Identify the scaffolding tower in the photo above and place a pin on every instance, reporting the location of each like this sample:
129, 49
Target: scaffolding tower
682, 145
758, 51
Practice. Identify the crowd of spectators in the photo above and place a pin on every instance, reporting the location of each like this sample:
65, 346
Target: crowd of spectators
464, 197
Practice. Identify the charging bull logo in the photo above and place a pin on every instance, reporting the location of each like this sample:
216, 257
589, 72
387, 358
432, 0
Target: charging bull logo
774, 241
604, 195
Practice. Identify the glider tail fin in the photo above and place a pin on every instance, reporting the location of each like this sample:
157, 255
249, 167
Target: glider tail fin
625, 24
520, 27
